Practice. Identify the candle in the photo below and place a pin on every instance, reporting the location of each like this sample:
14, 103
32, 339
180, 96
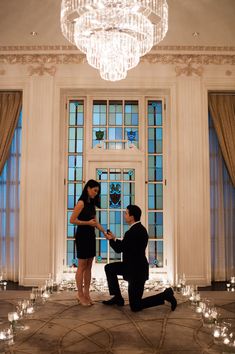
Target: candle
198, 309
32, 296
216, 333
2, 335
13, 316
30, 310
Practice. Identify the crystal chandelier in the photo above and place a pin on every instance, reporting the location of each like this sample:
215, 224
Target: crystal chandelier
114, 34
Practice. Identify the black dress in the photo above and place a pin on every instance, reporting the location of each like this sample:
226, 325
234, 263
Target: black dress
85, 234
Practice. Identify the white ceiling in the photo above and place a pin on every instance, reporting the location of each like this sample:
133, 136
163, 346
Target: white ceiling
213, 19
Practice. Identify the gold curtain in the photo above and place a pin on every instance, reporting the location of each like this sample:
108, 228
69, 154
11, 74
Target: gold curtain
222, 109
10, 106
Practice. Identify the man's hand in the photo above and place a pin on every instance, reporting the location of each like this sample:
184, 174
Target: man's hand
109, 235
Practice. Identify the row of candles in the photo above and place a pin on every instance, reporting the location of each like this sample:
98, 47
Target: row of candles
25, 309
221, 329
205, 308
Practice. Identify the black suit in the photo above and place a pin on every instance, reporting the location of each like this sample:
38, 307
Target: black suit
134, 268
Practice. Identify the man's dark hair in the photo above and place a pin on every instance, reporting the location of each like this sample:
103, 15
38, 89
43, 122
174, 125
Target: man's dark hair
135, 211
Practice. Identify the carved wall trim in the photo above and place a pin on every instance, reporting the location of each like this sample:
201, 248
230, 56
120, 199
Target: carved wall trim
155, 48
170, 59
188, 70
41, 70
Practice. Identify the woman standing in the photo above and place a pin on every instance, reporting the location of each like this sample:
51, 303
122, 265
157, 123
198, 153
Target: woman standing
84, 216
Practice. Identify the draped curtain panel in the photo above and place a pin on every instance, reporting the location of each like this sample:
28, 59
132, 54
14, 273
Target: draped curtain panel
10, 107
222, 109
222, 197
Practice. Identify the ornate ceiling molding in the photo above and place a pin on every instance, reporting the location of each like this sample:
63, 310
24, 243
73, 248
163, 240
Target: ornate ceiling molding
169, 59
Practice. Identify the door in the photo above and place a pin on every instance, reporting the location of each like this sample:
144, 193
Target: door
122, 183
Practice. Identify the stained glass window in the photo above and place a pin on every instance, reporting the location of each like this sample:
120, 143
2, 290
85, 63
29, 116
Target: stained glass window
75, 169
115, 122
155, 183
117, 191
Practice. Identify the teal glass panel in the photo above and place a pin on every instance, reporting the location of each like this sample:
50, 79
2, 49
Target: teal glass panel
155, 113
155, 196
101, 251
115, 195
115, 174
115, 134
155, 140
155, 225
115, 222
113, 256
71, 251
131, 113
128, 174
156, 253
72, 119
99, 113
115, 113
101, 174
71, 145
155, 168
104, 195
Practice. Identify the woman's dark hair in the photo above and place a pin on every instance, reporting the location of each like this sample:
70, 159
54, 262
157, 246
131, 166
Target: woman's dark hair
135, 211
84, 196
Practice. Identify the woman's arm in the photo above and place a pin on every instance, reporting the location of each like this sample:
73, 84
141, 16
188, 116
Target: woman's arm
74, 217
100, 227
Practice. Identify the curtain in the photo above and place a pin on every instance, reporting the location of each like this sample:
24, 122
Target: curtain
10, 107
222, 196
222, 109
9, 208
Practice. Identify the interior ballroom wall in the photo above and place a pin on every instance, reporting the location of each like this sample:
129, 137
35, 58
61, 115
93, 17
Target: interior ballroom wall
42, 218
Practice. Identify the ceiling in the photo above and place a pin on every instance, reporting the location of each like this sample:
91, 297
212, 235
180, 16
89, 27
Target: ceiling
213, 19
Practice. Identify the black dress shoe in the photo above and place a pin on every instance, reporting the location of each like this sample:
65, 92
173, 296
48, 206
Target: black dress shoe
169, 296
114, 301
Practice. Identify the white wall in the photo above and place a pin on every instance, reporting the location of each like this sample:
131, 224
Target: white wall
42, 238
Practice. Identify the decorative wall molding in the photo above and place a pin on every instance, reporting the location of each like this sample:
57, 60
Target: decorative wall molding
2, 72
228, 72
170, 59
188, 70
41, 70
155, 48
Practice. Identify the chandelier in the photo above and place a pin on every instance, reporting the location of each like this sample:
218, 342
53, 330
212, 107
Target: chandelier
114, 34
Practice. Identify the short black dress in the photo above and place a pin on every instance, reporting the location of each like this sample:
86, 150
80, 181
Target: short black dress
85, 234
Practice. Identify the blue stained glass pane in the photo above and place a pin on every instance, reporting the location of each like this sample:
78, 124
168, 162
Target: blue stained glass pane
159, 119
111, 133
79, 146
119, 119
80, 118
72, 107
135, 119
72, 120
118, 133
70, 231
71, 145
71, 188
79, 133
69, 213
71, 162
78, 189
159, 133
71, 174
127, 108
71, 202
104, 188
71, 133
96, 118
101, 249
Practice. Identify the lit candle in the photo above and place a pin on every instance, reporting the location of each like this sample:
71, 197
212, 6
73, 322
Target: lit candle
2, 335
198, 309
30, 310
226, 340
13, 316
32, 296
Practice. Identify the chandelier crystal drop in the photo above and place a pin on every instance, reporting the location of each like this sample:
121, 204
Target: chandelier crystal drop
114, 34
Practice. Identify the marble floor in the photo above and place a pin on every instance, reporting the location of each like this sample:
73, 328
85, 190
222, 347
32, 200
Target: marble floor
61, 325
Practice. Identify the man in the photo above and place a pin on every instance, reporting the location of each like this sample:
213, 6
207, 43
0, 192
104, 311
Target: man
134, 268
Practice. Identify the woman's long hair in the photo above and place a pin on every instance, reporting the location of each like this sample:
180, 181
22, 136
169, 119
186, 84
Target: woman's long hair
84, 196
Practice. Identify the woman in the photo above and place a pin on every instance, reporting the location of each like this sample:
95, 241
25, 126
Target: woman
84, 216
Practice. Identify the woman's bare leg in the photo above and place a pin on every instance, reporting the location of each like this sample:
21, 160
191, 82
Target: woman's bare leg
80, 274
87, 279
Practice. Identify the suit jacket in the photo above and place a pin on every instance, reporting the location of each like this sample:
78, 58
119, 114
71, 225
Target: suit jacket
133, 247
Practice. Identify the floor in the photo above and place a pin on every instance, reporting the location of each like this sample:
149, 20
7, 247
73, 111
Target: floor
62, 326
